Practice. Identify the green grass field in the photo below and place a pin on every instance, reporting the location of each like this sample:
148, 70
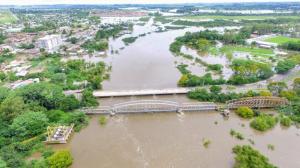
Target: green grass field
245, 17
7, 17
252, 51
281, 39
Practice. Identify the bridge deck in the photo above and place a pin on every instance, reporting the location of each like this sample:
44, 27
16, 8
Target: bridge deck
151, 106
122, 93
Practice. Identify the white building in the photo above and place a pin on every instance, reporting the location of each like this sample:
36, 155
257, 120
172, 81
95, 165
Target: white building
50, 42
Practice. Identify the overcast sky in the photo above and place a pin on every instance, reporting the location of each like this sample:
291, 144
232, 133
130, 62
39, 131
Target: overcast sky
40, 2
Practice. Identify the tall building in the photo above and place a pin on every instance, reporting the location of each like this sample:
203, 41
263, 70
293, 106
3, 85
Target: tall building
50, 42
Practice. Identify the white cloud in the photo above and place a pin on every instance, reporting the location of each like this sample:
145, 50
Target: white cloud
38, 2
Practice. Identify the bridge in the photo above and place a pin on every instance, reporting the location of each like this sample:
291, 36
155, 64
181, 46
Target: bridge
257, 102
145, 92
152, 106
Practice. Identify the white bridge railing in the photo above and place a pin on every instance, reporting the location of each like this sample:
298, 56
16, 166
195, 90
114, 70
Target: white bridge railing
145, 106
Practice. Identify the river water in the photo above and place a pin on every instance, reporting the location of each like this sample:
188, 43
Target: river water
175, 140
166, 139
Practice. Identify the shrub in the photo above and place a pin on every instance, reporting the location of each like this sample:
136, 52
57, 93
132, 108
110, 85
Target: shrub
271, 147
265, 93
60, 159
285, 121
247, 157
206, 143
102, 120
245, 112
289, 94
263, 122
236, 134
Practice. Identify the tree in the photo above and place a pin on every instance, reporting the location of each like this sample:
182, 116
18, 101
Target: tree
45, 94
88, 98
55, 116
73, 40
215, 89
203, 45
245, 112
11, 107
60, 159
246, 157
2, 163
29, 124
183, 80
296, 85
69, 103
4, 92
284, 66
59, 78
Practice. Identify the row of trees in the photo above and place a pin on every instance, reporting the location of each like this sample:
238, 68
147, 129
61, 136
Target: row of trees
215, 23
215, 94
190, 80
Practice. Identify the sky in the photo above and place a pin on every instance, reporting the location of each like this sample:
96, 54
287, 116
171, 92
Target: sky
47, 2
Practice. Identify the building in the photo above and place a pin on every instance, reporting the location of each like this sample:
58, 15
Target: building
50, 43
20, 83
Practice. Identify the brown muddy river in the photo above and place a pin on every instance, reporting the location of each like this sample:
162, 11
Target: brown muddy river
173, 140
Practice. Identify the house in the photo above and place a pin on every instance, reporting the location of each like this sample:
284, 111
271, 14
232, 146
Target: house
19, 84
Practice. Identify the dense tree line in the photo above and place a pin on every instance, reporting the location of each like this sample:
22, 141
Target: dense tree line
190, 80
25, 114
215, 23
292, 45
248, 71
215, 94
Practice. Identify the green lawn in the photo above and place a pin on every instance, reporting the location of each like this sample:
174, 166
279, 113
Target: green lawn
245, 17
281, 39
7, 17
253, 51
